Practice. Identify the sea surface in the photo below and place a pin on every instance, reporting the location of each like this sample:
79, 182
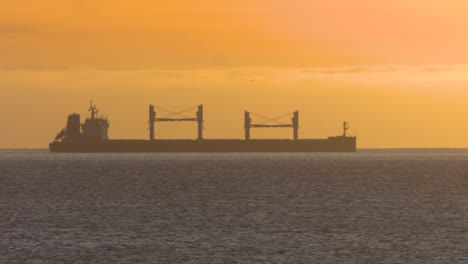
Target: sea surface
374, 206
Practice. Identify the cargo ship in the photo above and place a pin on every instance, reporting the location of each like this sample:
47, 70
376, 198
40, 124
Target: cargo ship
92, 137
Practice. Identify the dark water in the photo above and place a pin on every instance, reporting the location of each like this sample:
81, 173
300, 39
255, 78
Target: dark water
367, 207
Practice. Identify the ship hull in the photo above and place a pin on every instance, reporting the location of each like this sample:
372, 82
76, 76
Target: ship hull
333, 144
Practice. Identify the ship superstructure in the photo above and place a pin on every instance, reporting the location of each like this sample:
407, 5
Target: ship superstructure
94, 129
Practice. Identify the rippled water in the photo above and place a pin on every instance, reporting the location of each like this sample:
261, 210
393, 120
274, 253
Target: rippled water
366, 207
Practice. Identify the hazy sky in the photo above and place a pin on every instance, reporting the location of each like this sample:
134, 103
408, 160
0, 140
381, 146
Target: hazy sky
396, 70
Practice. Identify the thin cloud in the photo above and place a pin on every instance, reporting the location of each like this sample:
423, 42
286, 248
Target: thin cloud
17, 29
433, 68
450, 75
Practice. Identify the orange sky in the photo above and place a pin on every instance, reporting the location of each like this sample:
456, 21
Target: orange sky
396, 70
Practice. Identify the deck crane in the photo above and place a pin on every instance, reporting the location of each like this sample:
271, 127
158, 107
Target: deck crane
249, 125
198, 118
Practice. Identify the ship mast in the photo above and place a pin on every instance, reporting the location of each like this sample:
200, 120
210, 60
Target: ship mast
93, 110
345, 128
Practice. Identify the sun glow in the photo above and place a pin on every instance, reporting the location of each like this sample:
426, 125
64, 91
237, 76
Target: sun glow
389, 68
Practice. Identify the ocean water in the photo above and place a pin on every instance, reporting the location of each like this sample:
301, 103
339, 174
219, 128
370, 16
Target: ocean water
400, 206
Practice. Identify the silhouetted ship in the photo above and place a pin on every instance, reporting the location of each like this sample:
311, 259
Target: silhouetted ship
92, 136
